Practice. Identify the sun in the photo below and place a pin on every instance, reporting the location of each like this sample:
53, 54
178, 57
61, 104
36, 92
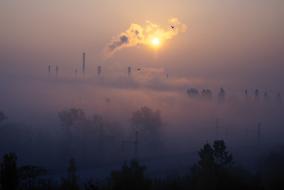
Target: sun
156, 42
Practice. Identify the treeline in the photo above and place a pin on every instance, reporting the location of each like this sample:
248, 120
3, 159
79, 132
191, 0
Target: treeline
92, 139
215, 169
255, 95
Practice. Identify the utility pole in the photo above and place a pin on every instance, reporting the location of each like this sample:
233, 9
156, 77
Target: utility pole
135, 142
259, 133
136, 145
217, 128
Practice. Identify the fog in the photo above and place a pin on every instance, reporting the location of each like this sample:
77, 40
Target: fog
250, 125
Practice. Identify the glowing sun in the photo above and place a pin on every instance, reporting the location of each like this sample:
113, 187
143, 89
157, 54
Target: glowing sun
156, 42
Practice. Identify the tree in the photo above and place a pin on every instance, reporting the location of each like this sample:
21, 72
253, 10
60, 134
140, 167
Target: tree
206, 157
222, 157
214, 169
130, 177
215, 157
148, 123
146, 119
71, 182
9, 174
71, 117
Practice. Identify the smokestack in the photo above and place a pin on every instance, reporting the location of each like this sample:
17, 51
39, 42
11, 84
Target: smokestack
84, 63
56, 70
49, 69
129, 71
99, 70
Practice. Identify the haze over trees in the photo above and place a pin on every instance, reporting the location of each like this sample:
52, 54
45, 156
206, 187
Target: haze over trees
148, 124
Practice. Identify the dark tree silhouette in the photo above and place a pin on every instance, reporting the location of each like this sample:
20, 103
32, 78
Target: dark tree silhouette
222, 157
9, 173
215, 169
272, 171
206, 155
216, 156
71, 182
130, 177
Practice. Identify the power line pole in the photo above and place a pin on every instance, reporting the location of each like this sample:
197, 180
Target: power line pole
135, 143
259, 133
217, 128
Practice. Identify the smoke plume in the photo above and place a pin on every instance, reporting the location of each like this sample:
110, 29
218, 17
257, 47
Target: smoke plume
142, 35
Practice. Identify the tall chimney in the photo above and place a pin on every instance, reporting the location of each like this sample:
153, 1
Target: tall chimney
84, 63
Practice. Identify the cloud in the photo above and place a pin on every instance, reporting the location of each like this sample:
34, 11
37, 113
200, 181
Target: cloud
137, 35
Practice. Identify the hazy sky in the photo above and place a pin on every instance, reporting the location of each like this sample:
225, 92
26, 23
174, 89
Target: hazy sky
227, 42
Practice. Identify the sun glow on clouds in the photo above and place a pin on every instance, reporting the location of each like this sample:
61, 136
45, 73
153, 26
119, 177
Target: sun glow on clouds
151, 35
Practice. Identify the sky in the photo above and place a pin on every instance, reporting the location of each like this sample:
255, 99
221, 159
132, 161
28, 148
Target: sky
234, 44
238, 41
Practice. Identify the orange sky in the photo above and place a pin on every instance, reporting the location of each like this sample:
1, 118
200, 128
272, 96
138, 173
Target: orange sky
224, 37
